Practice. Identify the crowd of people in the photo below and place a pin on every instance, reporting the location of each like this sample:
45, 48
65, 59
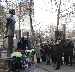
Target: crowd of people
50, 51
55, 50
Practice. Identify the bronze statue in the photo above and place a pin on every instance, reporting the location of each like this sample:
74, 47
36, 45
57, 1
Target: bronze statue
10, 25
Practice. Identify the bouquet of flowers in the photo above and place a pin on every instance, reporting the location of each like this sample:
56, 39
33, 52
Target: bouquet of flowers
25, 61
17, 54
31, 52
21, 58
16, 60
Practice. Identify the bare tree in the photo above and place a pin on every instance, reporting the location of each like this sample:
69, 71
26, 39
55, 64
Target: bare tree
2, 21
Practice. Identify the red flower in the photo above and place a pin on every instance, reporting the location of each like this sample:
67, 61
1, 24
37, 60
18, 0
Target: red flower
23, 66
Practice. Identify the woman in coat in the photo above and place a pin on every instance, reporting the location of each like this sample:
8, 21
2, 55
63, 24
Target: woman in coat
38, 53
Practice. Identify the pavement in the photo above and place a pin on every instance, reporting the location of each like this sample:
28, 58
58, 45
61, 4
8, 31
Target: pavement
42, 67
50, 68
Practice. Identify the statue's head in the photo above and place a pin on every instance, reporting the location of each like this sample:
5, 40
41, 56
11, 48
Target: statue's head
12, 11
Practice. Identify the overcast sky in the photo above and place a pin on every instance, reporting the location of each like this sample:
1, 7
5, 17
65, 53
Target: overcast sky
44, 14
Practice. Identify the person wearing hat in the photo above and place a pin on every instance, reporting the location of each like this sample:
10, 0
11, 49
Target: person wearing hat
23, 43
69, 51
58, 54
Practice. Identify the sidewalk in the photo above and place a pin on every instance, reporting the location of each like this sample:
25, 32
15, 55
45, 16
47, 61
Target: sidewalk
50, 68
42, 67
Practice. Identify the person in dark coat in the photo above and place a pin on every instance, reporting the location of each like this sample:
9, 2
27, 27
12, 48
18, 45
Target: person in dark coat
52, 51
54, 56
58, 55
23, 43
48, 52
69, 51
62, 50
43, 57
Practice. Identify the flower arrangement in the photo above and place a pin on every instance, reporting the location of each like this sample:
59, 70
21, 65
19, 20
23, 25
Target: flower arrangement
17, 54
32, 51
26, 62
30, 54
20, 50
22, 58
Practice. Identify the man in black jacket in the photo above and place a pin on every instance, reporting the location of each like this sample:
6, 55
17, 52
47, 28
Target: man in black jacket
48, 52
43, 57
23, 43
69, 51
62, 49
57, 54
